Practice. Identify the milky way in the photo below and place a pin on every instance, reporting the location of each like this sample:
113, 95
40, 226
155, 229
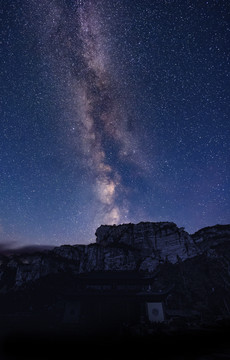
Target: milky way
96, 103
94, 100
100, 112
113, 111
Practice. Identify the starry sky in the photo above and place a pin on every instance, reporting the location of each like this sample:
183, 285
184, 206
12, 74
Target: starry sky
113, 111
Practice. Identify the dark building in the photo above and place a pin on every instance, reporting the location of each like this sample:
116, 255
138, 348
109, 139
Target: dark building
112, 300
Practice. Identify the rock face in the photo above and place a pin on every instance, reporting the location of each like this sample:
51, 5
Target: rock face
162, 241
127, 247
211, 236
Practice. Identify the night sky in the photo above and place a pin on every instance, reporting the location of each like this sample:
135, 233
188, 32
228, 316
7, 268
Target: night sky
113, 111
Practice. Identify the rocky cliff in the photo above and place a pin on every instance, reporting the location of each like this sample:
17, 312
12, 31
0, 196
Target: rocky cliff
124, 247
163, 241
211, 236
139, 247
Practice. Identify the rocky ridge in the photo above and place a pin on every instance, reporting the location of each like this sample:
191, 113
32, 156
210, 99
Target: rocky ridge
131, 247
211, 236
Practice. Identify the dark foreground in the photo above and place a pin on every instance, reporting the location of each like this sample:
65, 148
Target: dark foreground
206, 343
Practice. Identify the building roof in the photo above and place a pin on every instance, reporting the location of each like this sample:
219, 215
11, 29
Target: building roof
117, 277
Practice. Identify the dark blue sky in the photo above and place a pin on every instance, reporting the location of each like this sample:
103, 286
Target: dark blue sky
113, 112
